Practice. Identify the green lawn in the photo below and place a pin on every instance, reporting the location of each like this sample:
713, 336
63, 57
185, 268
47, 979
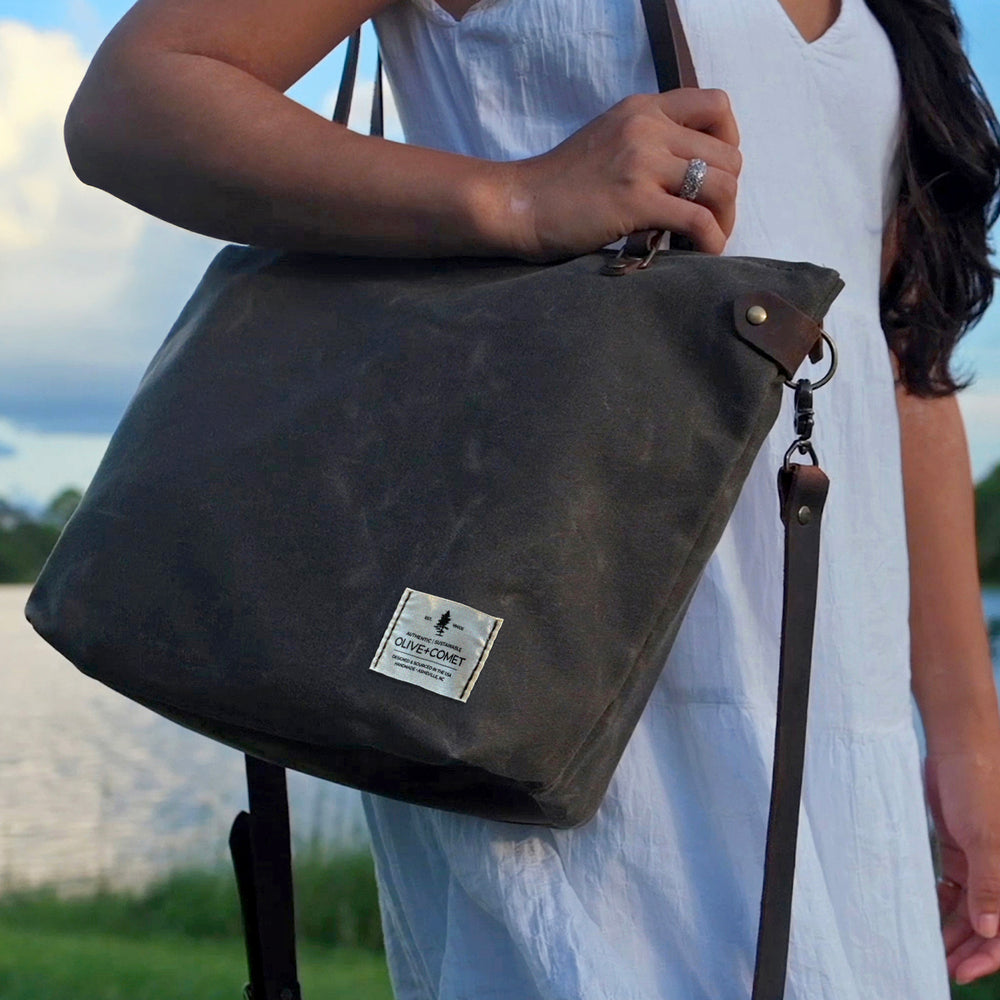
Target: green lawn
985, 989
180, 939
38, 965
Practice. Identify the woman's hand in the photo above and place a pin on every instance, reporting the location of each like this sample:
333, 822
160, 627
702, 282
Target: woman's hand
963, 791
620, 174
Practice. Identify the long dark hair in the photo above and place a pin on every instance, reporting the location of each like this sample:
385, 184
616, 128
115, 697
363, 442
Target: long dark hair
942, 280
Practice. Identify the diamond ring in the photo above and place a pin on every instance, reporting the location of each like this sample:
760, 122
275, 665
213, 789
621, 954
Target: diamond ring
694, 177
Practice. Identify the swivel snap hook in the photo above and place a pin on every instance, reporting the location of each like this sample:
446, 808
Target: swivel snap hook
805, 420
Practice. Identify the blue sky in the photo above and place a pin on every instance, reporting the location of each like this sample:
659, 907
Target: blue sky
88, 287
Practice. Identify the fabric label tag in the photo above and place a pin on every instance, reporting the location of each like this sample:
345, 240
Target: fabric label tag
436, 644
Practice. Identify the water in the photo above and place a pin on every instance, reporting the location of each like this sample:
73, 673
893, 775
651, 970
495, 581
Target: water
95, 789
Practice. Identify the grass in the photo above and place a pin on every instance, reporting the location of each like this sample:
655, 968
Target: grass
59, 965
182, 938
335, 895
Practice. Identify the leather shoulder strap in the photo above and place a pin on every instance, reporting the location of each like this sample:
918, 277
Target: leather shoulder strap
261, 848
669, 45
802, 490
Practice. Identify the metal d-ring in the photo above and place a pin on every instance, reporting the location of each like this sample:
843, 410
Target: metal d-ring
833, 364
804, 447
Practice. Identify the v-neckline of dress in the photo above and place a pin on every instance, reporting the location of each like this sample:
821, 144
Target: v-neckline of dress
442, 16
831, 32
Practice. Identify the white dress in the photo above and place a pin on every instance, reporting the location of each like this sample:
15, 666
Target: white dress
657, 898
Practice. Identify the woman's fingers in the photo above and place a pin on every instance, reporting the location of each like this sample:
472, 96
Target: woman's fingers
982, 959
687, 145
703, 110
957, 955
622, 172
717, 194
692, 219
699, 125
956, 930
971, 954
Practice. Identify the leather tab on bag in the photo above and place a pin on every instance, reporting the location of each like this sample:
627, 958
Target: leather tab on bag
777, 329
802, 486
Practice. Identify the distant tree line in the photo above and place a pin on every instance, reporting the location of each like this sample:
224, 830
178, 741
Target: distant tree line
988, 527
26, 541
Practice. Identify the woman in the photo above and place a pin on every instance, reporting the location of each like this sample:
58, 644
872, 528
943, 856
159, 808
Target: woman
862, 144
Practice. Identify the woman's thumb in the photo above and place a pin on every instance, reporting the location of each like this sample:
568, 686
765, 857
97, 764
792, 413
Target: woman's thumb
984, 887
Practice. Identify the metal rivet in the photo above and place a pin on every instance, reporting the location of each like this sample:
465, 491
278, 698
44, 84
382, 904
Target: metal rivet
804, 514
756, 315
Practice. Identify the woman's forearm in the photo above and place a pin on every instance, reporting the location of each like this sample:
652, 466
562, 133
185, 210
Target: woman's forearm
207, 146
952, 675
183, 114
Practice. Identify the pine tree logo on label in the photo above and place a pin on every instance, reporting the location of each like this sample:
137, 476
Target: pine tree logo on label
442, 623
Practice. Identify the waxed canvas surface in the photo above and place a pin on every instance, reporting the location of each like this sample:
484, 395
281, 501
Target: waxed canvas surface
546, 444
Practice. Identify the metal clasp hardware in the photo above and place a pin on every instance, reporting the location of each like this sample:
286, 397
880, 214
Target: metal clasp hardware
805, 417
804, 422
627, 260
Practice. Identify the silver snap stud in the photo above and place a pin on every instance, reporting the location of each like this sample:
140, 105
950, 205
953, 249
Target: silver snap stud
756, 315
804, 514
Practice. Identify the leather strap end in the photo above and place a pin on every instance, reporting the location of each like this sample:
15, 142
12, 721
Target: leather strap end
802, 490
778, 329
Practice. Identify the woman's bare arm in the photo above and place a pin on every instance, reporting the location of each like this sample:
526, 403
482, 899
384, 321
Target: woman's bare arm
952, 673
182, 114
952, 680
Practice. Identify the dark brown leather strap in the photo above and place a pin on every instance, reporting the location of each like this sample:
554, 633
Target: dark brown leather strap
682, 52
345, 93
802, 490
260, 844
668, 43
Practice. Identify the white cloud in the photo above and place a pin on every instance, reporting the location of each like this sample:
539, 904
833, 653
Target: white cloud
34, 467
85, 279
63, 247
69, 253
